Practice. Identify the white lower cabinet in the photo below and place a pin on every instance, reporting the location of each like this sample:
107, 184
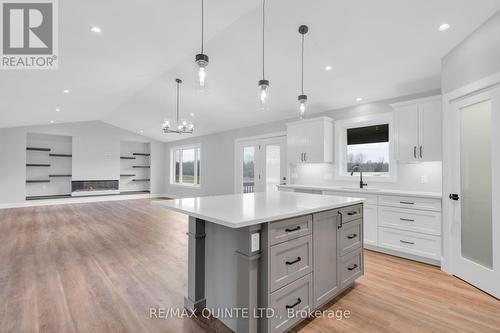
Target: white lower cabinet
418, 244
370, 225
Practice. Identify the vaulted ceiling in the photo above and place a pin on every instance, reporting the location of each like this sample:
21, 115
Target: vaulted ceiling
125, 75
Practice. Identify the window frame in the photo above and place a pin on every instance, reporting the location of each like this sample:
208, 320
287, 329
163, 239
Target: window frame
341, 127
197, 158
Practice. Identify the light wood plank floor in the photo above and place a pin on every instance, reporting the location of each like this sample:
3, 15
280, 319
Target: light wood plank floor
99, 267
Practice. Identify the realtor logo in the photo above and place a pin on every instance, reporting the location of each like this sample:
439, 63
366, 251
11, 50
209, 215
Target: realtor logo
29, 38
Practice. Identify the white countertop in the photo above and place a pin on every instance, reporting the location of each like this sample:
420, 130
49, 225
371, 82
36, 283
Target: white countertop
420, 194
242, 210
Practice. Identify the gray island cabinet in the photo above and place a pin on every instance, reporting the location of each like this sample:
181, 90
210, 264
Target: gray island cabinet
261, 262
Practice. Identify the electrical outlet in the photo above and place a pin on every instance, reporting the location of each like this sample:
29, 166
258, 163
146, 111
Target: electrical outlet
423, 180
255, 246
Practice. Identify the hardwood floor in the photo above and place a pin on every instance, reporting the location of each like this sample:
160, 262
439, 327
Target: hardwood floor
100, 267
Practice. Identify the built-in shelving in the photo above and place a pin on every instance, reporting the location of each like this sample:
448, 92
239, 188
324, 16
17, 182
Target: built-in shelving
33, 181
127, 158
59, 176
141, 166
140, 180
141, 154
60, 155
37, 165
37, 149
128, 175
135, 173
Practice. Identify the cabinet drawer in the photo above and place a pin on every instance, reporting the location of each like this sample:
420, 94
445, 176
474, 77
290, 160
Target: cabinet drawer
351, 267
371, 199
351, 213
427, 246
427, 222
297, 296
410, 202
351, 236
282, 231
290, 260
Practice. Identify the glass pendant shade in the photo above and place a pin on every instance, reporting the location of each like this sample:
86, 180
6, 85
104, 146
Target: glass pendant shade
201, 63
264, 95
302, 105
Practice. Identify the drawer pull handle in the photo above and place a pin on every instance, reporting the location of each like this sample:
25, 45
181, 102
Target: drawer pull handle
406, 242
352, 213
352, 267
406, 203
341, 222
407, 220
294, 304
293, 262
351, 236
293, 229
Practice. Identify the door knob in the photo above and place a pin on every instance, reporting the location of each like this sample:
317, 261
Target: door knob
454, 196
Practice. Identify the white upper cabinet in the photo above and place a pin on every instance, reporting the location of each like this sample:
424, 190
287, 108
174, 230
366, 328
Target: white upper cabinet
418, 127
310, 141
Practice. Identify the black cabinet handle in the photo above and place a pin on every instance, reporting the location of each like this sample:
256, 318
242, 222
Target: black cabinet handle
352, 213
406, 242
351, 236
352, 267
293, 229
415, 151
406, 203
340, 220
405, 219
421, 152
294, 304
293, 262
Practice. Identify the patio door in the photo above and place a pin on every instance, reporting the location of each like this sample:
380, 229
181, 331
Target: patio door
260, 164
473, 168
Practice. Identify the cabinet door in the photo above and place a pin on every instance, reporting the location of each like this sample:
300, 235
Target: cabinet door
407, 124
370, 224
326, 280
430, 131
318, 142
295, 143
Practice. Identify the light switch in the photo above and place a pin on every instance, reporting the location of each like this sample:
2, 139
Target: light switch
255, 246
423, 180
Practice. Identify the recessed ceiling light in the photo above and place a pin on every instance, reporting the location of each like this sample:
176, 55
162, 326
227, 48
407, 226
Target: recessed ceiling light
51, 121
359, 99
191, 114
97, 30
57, 110
444, 26
328, 68
141, 131
66, 91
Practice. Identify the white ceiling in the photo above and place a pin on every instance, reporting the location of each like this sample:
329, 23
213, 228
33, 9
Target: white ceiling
125, 76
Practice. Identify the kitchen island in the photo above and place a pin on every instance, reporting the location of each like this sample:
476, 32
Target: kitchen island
261, 261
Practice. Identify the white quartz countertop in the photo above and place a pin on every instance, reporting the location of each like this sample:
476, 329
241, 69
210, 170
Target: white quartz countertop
242, 210
368, 190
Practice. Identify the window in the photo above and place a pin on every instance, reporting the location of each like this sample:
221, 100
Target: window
186, 166
368, 148
365, 144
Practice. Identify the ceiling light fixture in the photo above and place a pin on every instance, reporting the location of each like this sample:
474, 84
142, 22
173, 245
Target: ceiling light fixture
444, 26
66, 91
303, 29
359, 99
191, 114
263, 84
57, 109
97, 30
141, 131
51, 121
201, 59
328, 68
183, 126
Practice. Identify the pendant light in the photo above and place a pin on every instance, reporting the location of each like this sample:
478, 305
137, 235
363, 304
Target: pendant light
182, 126
303, 29
263, 84
201, 59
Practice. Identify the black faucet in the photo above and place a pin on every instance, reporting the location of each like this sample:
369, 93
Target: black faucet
358, 168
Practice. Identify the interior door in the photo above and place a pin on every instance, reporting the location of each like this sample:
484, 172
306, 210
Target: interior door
475, 195
261, 164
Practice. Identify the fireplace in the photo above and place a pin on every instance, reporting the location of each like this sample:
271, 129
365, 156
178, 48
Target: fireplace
94, 187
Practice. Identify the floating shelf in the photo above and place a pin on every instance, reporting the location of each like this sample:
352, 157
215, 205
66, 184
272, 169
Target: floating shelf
37, 149
127, 158
45, 197
141, 166
59, 176
141, 154
128, 175
140, 180
60, 155
32, 181
37, 165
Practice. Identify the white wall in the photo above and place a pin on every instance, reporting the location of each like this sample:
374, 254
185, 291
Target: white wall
217, 150
478, 56
96, 155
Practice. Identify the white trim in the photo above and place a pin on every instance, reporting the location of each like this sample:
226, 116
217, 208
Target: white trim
309, 120
340, 141
476, 87
172, 166
417, 101
261, 136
